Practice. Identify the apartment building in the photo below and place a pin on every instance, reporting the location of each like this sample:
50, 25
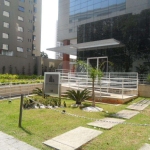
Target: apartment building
20, 34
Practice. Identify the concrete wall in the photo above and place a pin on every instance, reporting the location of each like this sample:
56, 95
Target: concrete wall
17, 65
13, 90
29, 66
144, 90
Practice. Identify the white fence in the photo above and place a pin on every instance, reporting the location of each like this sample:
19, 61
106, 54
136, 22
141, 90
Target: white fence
125, 84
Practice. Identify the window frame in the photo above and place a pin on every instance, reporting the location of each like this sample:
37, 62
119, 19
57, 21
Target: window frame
21, 18
7, 46
6, 3
19, 49
6, 12
5, 24
22, 29
20, 8
3, 36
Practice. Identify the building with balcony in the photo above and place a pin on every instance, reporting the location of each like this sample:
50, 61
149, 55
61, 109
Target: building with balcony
20, 35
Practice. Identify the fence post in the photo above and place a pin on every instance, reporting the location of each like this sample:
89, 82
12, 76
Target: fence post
122, 87
10, 89
100, 90
137, 84
20, 113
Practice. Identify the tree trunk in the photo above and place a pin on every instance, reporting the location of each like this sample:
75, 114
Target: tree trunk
78, 102
93, 94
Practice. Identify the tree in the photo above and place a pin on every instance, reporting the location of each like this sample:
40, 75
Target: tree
94, 74
44, 55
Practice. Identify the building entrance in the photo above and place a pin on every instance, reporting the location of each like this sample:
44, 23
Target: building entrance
99, 63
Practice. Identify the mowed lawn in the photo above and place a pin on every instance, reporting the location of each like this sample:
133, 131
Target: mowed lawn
39, 125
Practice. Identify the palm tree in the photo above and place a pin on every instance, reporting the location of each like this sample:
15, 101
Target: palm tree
94, 74
78, 96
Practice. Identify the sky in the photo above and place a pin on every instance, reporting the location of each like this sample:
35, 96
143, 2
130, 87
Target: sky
49, 21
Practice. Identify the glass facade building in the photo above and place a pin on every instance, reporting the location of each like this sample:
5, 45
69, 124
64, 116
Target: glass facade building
127, 21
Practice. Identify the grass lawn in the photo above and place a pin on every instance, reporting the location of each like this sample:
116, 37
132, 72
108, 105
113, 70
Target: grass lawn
39, 125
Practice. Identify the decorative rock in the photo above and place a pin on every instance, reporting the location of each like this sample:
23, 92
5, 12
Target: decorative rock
42, 107
92, 109
36, 107
50, 107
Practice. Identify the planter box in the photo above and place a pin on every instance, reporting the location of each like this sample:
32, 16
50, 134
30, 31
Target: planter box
144, 90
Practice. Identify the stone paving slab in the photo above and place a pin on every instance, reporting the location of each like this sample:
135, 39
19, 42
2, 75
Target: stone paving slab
8, 142
106, 123
73, 139
141, 105
145, 147
126, 114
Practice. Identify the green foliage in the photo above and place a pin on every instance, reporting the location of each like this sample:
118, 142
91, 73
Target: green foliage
38, 91
141, 69
78, 96
52, 101
11, 76
44, 55
148, 78
23, 79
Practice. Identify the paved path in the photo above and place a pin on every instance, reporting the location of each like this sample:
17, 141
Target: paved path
8, 142
145, 147
126, 114
106, 123
141, 105
73, 139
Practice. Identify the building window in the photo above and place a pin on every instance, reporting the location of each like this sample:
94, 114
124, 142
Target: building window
34, 28
19, 39
22, 0
33, 47
19, 49
20, 18
35, 9
34, 18
7, 3
5, 47
5, 24
5, 13
21, 8
28, 49
34, 37
7, 53
20, 29
5, 35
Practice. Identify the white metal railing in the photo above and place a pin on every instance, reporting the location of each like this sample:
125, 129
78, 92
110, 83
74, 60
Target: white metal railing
125, 84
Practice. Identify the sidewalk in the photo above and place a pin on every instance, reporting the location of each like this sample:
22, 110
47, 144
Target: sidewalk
8, 142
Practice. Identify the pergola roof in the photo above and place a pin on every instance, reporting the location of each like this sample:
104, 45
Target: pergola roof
72, 49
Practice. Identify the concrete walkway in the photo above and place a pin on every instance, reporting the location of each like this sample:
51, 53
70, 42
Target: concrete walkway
73, 139
8, 142
106, 123
141, 105
145, 147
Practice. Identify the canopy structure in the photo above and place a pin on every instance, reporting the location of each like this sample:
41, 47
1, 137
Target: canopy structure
72, 49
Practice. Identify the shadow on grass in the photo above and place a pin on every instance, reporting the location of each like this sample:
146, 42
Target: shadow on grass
25, 130
111, 114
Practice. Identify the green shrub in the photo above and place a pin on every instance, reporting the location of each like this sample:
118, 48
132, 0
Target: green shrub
148, 78
78, 96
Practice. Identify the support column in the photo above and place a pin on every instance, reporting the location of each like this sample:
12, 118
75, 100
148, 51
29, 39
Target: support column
66, 57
